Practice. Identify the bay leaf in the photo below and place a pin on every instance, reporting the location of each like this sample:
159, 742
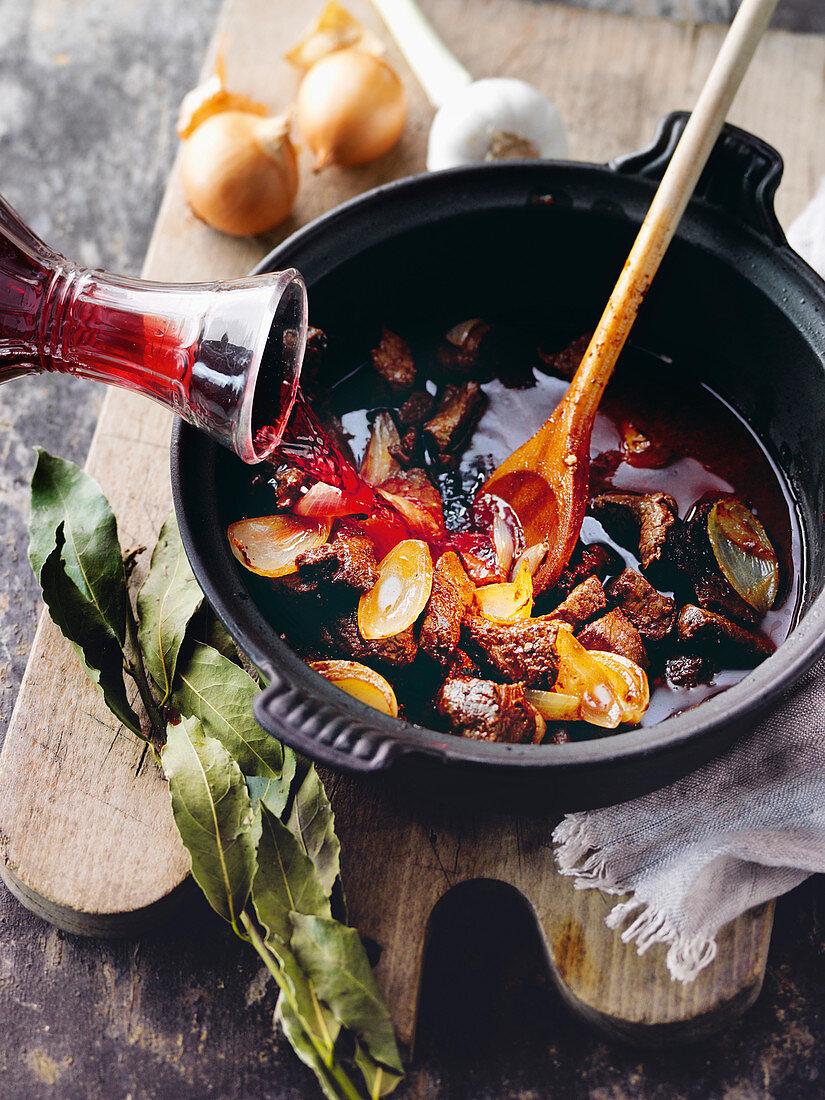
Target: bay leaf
312, 820
286, 880
218, 637
63, 495
333, 958
167, 600
219, 693
214, 816
77, 618
300, 1040
271, 792
379, 1080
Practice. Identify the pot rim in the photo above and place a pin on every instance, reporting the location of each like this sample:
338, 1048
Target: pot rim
731, 707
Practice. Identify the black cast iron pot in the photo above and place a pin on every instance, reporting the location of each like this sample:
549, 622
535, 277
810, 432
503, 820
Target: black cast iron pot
517, 242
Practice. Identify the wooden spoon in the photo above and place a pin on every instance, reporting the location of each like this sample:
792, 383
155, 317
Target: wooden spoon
546, 479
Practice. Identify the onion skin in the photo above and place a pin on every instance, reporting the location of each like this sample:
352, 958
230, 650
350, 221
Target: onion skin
351, 108
240, 172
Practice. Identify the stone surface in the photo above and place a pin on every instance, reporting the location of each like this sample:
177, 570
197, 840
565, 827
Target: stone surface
88, 95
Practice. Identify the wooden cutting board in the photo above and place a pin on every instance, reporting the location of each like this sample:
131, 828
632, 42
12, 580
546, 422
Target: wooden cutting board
86, 832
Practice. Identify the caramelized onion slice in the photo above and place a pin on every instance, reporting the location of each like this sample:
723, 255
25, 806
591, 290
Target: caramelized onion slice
582, 675
405, 579
498, 518
611, 689
378, 463
554, 706
510, 602
360, 682
270, 545
629, 681
744, 552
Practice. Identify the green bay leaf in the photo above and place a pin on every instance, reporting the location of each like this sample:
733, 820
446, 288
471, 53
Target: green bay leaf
379, 1080
219, 693
77, 618
214, 816
63, 495
333, 958
286, 881
300, 1039
167, 600
312, 820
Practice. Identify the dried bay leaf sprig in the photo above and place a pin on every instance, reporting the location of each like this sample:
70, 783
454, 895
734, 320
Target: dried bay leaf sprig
254, 818
77, 560
166, 602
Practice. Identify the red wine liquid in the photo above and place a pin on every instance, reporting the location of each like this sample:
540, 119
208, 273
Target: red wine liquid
309, 446
114, 335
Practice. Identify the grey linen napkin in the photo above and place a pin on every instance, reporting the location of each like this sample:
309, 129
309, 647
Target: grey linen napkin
744, 828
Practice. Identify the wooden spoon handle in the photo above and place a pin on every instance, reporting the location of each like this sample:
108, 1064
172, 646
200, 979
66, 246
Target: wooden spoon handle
669, 203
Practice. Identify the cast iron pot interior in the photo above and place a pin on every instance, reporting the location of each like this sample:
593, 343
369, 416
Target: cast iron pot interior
516, 242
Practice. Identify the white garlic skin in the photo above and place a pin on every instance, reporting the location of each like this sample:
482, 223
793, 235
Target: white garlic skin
467, 123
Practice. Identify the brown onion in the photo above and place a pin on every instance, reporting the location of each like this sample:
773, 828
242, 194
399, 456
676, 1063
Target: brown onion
351, 108
240, 172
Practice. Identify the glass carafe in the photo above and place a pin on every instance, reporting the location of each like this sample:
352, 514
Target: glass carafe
225, 356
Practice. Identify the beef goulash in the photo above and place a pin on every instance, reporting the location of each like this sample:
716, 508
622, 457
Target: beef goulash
415, 591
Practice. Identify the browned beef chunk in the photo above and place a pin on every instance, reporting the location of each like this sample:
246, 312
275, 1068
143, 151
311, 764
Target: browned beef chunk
462, 664
586, 600
651, 613
694, 556
348, 559
340, 637
714, 593
699, 628
405, 452
595, 559
613, 633
393, 362
648, 515
517, 651
687, 670
487, 711
566, 362
451, 595
459, 410
466, 350
287, 483
416, 409
314, 354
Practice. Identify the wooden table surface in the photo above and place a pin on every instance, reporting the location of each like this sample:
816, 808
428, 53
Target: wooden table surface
186, 1012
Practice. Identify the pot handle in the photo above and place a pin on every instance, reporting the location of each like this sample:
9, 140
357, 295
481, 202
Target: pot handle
741, 176
320, 731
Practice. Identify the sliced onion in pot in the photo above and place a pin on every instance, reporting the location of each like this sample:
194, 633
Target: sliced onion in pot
361, 682
744, 552
270, 545
405, 579
509, 602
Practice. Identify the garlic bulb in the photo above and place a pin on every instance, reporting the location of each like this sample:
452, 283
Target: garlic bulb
499, 118
494, 119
